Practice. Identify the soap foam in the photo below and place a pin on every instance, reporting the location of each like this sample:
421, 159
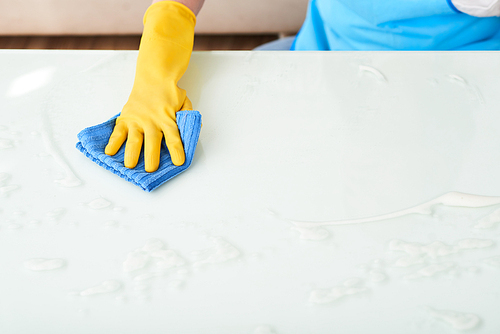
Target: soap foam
458, 321
153, 245
6, 144
154, 250
222, 252
168, 259
6, 190
70, 179
363, 69
55, 214
136, 260
44, 264
350, 286
489, 221
493, 261
472, 90
263, 330
147, 276
376, 276
104, 287
419, 253
453, 199
99, 203
313, 233
175, 284
4, 177
431, 270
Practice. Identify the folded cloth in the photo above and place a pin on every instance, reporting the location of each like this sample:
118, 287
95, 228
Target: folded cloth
94, 139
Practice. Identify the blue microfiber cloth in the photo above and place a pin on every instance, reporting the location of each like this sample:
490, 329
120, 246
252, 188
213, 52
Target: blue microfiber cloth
94, 139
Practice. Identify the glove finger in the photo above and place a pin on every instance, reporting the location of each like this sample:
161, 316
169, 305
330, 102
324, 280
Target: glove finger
133, 147
116, 139
152, 146
187, 104
174, 144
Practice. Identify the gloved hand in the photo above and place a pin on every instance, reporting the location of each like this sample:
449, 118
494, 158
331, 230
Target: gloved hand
149, 114
479, 8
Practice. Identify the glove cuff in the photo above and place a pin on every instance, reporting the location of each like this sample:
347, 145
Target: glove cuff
163, 10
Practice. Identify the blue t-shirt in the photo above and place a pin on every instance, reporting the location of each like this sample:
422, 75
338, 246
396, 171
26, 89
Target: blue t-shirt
394, 25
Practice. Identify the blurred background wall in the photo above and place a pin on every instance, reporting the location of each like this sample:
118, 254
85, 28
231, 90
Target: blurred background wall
124, 17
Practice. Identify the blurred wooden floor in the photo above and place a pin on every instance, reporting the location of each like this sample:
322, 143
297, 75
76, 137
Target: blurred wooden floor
201, 42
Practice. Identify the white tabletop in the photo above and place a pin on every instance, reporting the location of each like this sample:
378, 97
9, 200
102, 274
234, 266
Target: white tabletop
288, 137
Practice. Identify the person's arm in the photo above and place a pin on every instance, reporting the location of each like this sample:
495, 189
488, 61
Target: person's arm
194, 5
150, 112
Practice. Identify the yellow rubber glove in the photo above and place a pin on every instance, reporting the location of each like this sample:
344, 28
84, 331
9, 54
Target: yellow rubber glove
149, 114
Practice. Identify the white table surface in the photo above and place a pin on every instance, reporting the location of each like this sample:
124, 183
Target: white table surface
287, 136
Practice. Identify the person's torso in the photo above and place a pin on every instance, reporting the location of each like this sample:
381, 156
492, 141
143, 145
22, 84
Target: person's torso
394, 25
